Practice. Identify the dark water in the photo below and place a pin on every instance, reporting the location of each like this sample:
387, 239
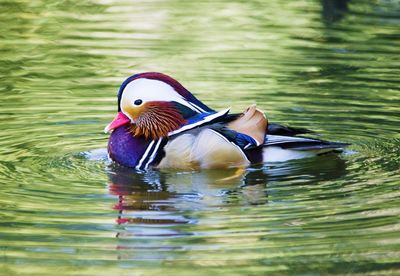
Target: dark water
332, 66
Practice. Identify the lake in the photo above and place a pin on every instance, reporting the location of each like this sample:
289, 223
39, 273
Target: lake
330, 66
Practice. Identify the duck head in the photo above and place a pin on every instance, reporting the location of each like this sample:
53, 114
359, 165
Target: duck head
154, 104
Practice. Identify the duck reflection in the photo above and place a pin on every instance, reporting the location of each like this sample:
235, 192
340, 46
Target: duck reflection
157, 206
143, 197
169, 198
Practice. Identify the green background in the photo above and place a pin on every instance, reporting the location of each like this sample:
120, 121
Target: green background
306, 63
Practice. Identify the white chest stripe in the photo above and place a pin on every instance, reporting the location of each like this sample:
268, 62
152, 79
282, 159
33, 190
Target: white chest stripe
153, 155
145, 155
152, 149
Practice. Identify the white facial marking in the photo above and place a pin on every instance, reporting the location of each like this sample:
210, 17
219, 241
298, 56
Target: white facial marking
150, 90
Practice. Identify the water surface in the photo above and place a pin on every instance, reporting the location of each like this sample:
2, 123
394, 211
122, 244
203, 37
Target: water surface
331, 68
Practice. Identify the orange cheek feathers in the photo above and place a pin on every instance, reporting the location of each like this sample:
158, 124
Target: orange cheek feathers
155, 119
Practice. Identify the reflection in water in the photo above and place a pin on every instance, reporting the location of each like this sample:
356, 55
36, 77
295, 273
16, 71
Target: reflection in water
145, 200
61, 63
157, 207
153, 204
146, 210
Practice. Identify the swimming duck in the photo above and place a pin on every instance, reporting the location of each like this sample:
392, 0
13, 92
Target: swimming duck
160, 124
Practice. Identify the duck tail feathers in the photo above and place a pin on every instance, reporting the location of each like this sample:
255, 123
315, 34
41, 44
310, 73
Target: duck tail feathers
301, 143
276, 129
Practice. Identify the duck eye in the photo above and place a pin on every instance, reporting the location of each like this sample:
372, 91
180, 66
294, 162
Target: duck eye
138, 102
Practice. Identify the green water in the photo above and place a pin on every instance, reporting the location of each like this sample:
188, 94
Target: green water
66, 210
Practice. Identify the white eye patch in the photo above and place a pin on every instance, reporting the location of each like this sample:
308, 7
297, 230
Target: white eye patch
147, 90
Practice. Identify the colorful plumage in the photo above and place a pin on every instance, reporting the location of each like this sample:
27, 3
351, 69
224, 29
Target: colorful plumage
161, 124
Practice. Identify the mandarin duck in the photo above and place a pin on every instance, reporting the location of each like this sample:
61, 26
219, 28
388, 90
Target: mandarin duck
160, 124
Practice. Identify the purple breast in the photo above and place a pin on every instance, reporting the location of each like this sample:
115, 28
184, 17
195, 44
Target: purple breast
126, 149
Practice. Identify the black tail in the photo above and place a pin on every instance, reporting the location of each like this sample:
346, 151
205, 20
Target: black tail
276, 129
300, 143
285, 137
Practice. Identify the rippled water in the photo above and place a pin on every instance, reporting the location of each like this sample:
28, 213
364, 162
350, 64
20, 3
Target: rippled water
333, 68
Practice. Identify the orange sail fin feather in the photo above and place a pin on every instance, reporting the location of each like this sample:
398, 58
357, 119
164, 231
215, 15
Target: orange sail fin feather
252, 123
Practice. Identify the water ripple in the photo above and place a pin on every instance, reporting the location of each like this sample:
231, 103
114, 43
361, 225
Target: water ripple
313, 64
